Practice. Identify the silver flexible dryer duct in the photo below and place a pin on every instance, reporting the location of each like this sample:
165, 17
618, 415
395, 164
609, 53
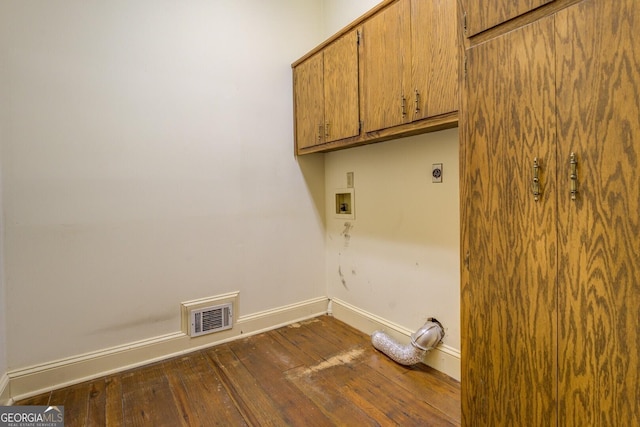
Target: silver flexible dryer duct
422, 340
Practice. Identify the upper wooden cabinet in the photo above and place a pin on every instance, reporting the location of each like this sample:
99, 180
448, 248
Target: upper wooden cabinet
385, 46
341, 93
391, 73
410, 69
326, 95
482, 15
308, 89
434, 55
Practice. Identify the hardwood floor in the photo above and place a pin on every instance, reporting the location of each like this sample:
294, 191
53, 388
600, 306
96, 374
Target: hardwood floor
320, 372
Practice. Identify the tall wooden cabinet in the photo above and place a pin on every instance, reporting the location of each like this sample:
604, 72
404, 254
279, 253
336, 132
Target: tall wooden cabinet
480, 15
550, 203
509, 309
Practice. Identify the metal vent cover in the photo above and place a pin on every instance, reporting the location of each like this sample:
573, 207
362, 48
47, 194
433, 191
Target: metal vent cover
211, 319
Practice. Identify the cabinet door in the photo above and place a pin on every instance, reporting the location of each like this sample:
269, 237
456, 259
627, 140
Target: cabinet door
385, 56
309, 102
341, 94
434, 48
509, 313
598, 60
483, 14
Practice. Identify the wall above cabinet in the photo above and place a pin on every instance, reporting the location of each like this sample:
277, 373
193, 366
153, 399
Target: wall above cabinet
391, 73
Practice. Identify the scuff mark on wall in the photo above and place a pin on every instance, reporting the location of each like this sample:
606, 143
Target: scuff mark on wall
136, 321
344, 282
346, 233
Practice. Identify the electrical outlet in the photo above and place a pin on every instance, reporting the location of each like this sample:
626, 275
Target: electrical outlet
349, 179
436, 172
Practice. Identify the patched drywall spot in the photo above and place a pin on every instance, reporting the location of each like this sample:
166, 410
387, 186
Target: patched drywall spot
344, 358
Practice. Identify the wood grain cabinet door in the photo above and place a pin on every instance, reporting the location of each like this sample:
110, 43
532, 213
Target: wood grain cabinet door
598, 92
385, 55
509, 302
433, 76
551, 298
483, 14
308, 90
341, 88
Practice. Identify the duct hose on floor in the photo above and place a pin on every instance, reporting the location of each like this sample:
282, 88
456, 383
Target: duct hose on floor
422, 340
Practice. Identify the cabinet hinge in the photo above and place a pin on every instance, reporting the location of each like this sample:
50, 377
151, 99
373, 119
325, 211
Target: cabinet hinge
464, 22
465, 67
358, 35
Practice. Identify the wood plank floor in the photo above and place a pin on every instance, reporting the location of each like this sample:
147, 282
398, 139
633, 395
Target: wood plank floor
320, 372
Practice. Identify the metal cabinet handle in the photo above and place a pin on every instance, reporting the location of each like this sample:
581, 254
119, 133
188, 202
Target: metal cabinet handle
536, 180
573, 163
404, 107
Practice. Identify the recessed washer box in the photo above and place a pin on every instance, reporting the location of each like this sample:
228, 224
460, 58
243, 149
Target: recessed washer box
345, 204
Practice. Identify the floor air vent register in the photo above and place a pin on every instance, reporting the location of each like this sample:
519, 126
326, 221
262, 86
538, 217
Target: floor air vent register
208, 315
211, 319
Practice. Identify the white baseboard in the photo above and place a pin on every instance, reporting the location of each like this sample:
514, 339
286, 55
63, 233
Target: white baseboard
443, 358
26, 382
33, 380
5, 391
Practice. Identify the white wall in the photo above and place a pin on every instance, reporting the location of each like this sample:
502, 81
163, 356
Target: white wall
339, 13
3, 305
146, 160
146, 157
4, 382
399, 258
